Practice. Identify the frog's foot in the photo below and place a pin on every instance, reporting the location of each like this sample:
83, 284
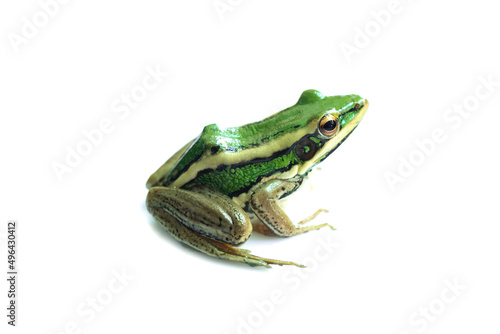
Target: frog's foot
243, 255
311, 217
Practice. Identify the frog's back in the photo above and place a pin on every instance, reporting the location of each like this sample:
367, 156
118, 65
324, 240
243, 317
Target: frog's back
246, 150
219, 144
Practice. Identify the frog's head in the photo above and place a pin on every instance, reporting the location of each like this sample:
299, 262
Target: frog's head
331, 119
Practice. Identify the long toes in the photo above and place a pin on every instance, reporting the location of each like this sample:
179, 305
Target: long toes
243, 255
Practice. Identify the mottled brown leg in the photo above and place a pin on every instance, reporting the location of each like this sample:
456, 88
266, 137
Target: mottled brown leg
265, 205
169, 209
262, 228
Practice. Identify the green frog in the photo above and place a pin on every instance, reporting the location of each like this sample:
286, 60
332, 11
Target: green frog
228, 182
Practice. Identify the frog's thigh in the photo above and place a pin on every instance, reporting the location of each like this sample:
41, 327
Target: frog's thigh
265, 204
207, 213
162, 204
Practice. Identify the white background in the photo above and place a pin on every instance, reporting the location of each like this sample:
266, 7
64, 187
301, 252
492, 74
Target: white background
396, 249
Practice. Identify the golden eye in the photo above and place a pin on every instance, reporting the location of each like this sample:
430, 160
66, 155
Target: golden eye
329, 125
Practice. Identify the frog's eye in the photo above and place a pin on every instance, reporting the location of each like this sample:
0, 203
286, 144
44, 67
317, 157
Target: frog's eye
306, 149
329, 125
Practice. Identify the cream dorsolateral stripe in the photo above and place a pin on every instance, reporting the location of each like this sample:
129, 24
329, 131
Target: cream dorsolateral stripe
261, 151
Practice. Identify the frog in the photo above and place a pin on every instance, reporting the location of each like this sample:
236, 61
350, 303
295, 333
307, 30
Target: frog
228, 182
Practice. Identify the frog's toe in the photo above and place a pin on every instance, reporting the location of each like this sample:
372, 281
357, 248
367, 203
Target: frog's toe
243, 255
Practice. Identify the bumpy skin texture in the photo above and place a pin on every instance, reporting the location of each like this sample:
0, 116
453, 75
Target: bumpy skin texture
231, 180
200, 194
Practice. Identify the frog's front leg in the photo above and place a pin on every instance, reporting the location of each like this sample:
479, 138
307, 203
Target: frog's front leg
205, 220
265, 205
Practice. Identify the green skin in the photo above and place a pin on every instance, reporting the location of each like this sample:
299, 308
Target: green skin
227, 182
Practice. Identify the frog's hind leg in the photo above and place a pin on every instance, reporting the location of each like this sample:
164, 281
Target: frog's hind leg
163, 204
212, 247
238, 254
